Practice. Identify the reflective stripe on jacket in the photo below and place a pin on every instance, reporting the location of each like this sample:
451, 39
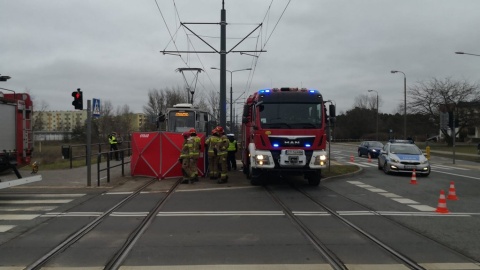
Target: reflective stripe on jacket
212, 143
195, 151
222, 145
185, 152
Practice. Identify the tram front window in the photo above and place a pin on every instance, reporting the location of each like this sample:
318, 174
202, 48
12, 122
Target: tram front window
181, 121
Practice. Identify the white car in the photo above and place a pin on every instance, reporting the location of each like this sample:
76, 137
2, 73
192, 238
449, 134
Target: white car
403, 158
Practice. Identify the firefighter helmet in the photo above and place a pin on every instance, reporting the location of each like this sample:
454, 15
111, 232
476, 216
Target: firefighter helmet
192, 130
219, 129
214, 131
186, 134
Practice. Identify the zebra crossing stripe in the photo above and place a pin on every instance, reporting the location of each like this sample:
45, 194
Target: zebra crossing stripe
17, 217
33, 201
5, 228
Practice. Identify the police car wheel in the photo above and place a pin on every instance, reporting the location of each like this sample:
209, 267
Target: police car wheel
385, 168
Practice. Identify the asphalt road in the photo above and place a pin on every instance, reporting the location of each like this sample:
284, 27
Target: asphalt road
237, 226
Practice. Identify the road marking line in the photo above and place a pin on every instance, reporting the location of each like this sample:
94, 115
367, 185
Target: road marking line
72, 214
405, 201
450, 266
422, 207
394, 197
18, 217
438, 166
33, 201
42, 195
358, 164
465, 176
439, 266
390, 195
223, 213
4, 228
378, 190
30, 208
369, 164
427, 211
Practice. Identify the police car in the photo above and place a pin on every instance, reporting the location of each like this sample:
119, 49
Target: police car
404, 157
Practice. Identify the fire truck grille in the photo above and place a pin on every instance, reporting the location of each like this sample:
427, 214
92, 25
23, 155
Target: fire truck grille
291, 141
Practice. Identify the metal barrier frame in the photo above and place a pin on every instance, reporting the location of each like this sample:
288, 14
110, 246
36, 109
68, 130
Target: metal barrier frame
109, 154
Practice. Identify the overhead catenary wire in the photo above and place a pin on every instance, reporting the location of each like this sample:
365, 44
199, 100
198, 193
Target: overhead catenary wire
260, 43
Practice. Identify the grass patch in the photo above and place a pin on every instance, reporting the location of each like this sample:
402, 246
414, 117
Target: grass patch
336, 170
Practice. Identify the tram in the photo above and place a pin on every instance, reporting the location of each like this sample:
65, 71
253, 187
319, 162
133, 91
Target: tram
184, 116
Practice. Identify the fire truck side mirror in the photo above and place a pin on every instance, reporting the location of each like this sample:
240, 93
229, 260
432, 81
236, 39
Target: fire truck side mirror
331, 109
246, 110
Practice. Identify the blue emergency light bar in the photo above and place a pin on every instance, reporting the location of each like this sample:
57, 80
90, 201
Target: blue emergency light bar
269, 90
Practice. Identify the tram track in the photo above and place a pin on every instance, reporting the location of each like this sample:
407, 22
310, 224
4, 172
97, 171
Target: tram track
335, 262
116, 260
393, 221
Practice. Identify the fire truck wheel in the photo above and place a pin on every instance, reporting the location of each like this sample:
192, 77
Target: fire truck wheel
313, 178
256, 181
255, 176
245, 171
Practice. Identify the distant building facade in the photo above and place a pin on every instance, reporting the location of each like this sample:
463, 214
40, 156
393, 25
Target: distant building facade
55, 125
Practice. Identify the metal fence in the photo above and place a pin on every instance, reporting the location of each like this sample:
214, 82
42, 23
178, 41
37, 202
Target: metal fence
79, 151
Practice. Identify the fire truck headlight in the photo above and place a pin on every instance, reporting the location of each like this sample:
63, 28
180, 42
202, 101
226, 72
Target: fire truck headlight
320, 160
262, 159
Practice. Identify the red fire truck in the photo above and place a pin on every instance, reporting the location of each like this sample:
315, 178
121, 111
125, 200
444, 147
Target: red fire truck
284, 131
16, 137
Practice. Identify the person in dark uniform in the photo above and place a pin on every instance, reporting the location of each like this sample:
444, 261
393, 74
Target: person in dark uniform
232, 151
112, 140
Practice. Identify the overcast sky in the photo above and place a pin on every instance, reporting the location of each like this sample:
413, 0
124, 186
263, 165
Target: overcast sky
111, 48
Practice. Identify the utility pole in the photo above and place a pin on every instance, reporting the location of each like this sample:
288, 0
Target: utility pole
223, 66
223, 57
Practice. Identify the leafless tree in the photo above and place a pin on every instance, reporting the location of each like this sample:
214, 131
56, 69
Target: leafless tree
436, 96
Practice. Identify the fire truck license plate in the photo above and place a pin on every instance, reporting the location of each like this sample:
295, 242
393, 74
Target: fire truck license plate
294, 152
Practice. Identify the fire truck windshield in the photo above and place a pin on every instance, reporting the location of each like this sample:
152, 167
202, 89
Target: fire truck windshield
290, 115
181, 121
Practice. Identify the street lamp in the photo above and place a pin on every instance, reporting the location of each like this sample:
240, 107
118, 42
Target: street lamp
404, 102
231, 92
467, 53
377, 109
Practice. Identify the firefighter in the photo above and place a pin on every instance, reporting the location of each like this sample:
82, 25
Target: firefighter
112, 140
211, 143
184, 158
194, 154
232, 151
222, 147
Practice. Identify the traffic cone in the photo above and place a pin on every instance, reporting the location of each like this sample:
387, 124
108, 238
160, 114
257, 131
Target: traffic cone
452, 195
369, 158
413, 180
351, 158
442, 204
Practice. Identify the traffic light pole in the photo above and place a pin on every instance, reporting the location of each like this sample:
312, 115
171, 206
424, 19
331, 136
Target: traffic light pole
89, 142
